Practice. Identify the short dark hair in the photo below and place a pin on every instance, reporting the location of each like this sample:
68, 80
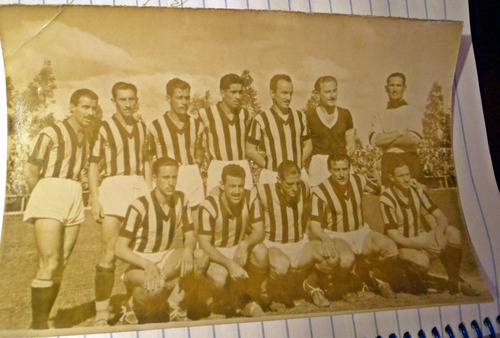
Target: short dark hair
394, 164
287, 167
229, 79
323, 79
400, 75
175, 83
233, 170
337, 157
163, 162
75, 97
273, 84
122, 86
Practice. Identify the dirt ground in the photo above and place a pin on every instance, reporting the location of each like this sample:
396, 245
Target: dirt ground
74, 306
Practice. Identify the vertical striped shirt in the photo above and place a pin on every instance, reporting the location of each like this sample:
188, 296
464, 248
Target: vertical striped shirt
225, 138
404, 216
123, 151
282, 139
228, 229
181, 144
339, 210
60, 151
152, 227
284, 223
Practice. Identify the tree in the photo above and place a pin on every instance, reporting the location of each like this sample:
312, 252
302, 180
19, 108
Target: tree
249, 97
437, 121
312, 102
198, 102
11, 92
40, 91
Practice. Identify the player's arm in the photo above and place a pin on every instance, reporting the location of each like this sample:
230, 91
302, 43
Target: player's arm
256, 236
252, 143
93, 177
307, 147
187, 259
407, 141
235, 271
36, 160
32, 175
441, 225
350, 142
316, 230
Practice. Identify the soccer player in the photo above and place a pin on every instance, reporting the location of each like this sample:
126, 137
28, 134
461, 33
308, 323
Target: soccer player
225, 125
398, 129
282, 130
286, 208
179, 135
146, 237
331, 128
402, 204
231, 231
121, 146
56, 206
337, 213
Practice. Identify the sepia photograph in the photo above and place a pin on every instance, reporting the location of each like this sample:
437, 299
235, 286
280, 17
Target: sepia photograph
175, 167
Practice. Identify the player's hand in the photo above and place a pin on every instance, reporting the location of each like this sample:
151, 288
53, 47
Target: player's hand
153, 278
440, 239
432, 247
96, 209
236, 271
328, 247
186, 262
241, 253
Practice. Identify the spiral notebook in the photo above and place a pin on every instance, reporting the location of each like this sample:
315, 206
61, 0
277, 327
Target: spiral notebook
478, 192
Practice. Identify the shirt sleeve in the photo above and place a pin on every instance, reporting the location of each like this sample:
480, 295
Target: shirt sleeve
375, 128
255, 131
317, 210
426, 201
41, 149
98, 147
131, 222
388, 210
187, 222
348, 120
306, 135
206, 219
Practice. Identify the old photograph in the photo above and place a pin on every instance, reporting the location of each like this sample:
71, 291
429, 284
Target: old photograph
177, 167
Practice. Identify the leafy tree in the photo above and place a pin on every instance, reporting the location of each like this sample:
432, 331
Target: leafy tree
201, 101
312, 102
11, 92
249, 98
437, 120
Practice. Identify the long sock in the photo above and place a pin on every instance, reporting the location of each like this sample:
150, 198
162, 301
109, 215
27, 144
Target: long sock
43, 296
451, 257
104, 280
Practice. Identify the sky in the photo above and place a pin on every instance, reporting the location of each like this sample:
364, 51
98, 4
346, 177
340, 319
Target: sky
95, 47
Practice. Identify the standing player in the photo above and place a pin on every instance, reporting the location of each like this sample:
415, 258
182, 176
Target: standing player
331, 128
225, 126
145, 242
178, 135
282, 130
398, 129
402, 204
121, 145
56, 206
337, 213
231, 232
286, 208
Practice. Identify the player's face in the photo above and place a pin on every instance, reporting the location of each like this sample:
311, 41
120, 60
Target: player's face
328, 94
125, 102
402, 178
232, 95
340, 172
395, 88
179, 101
84, 111
290, 186
283, 94
234, 187
166, 179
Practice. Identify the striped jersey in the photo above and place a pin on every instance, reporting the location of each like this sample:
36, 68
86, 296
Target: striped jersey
284, 222
225, 138
338, 209
123, 150
282, 139
404, 215
181, 144
152, 227
60, 151
228, 229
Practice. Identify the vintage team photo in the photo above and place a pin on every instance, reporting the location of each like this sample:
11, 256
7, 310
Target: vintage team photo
200, 166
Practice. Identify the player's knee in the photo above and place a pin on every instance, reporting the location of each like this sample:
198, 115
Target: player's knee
201, 261
418, 260
50, 265
453, 235
388, 248
260, 255
280, 265
347, 261
219, 276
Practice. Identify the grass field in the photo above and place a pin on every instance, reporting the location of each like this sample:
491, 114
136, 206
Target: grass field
74, 306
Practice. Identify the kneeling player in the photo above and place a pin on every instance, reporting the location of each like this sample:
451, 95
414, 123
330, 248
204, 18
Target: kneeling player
402, 204
145, 243
231, 231
286, 209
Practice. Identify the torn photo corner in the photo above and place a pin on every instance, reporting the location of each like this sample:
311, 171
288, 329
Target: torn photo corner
179, 167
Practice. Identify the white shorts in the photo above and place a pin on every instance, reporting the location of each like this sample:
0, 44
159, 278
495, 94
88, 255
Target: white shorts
268, 176
228, 252
215, 171
118, 192
158, 258
292, 250
355, 238
189, 181
56, 198
318, 169
427, 237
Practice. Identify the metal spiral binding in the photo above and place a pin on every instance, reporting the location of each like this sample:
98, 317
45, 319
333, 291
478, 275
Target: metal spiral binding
462, 328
